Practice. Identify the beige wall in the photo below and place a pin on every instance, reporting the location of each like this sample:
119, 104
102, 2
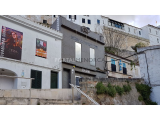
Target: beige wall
128, 39
134, 73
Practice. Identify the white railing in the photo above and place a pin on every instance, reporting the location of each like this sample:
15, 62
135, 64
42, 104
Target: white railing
75, 87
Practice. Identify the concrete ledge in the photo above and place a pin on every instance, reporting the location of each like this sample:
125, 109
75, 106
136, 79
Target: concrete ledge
56, 94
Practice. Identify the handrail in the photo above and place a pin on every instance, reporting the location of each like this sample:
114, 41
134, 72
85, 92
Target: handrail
75, 87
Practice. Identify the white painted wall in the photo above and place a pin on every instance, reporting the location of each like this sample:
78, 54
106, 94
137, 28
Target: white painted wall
152, 71
93, 26
6, 83
28, 59
151, 35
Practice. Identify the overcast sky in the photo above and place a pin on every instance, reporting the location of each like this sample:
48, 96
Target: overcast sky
137, 20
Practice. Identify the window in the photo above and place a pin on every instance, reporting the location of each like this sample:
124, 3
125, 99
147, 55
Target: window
88, 28
54, 80
78, 51
98, 22
113, 66
45, 21
157, 40
89, 21
86, 15
139, 32
124, 69
150, 30
134, 31
69, 16
83, 20
113, 24
92, 57
75, 17
109, 23
37, 75
128, 29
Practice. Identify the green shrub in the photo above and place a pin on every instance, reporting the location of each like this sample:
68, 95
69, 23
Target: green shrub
119, 90
140, 98
111, 90
145, 92
101, 89
127, 88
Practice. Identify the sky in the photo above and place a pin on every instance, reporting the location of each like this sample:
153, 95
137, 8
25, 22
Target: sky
137, 20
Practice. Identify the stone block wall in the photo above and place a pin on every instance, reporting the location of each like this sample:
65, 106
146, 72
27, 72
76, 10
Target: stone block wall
131, 98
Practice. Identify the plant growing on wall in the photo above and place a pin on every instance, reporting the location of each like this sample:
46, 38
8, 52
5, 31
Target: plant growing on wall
101, 89
132, 65
119, 90
145, 92
112, 90
127, 88
138, 45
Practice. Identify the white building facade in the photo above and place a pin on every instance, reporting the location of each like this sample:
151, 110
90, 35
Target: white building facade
149, 68
152, 33
29, 50
96, 22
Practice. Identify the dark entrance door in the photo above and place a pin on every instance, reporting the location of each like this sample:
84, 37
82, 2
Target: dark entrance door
77, 81
37, 75
66, 78
54, 80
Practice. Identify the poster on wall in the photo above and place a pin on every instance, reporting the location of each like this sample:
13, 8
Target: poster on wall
11, 43
41, 48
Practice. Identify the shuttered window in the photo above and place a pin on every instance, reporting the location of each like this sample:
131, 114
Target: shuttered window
113, 66
37, 75
124, 69
83, 20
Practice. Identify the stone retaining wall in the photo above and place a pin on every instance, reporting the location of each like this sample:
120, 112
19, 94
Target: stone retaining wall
131, 98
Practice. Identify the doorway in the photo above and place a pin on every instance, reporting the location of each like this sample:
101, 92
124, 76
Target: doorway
37, 82
66, 78
54, 80
78, 79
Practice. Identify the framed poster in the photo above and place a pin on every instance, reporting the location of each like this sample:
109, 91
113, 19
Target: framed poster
41, 48
11, 43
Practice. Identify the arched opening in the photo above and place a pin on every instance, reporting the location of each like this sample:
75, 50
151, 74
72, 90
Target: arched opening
7, 80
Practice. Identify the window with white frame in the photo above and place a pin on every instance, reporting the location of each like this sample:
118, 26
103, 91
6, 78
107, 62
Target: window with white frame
78, 52
157, 40
92, 57
128, 29
139, 32
83, 20
98, 22
89, 21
